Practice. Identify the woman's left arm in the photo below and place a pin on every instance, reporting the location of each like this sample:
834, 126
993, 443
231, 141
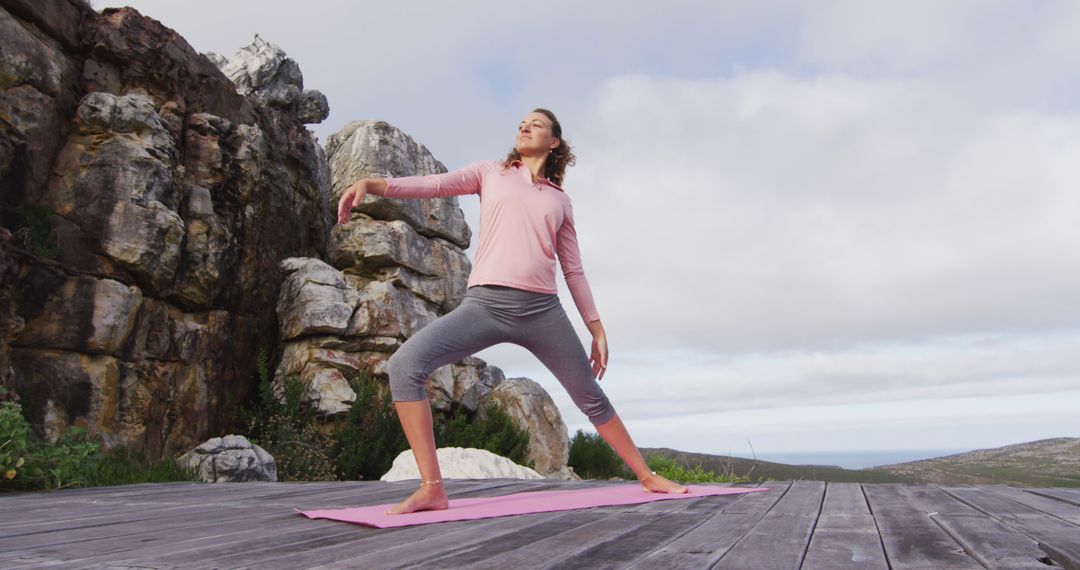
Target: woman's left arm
566, 248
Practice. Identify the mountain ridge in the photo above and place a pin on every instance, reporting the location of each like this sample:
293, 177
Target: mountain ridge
1051, 462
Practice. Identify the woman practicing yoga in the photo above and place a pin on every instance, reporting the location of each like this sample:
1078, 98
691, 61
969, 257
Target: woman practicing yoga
526, 221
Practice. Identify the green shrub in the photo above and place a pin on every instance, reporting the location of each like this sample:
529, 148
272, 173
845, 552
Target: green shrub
365, 447
36, 231
28, 462
127, 465
668, 468
493, 430
15, 440
288, 430
592, 458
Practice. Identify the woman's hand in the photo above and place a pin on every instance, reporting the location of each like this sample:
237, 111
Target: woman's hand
355, 194
599, 356
350, 199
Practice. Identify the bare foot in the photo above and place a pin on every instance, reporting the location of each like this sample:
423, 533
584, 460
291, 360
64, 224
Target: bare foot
659, 484
426, 498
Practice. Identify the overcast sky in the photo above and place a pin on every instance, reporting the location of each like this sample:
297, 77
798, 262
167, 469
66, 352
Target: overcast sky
807, 226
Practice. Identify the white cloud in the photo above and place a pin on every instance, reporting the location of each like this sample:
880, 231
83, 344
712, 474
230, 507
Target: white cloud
958, 368
999, 52
763, 211
923, 424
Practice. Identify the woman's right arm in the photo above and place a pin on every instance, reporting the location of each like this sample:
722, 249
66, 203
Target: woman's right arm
355, 194
465, 180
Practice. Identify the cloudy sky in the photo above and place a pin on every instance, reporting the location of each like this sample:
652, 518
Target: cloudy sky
809, 227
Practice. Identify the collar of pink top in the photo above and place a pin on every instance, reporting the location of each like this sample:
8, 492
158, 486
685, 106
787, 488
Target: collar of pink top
529, 175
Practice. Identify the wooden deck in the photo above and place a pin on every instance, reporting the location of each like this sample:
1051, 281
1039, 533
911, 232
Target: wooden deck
801, 524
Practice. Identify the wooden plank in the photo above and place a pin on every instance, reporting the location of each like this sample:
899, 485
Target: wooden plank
274, 552
106, 510
182, 524
346, 555
136, 518
991, 543
399, 550
846, 535
1064, 495
1063, 510
194, 524
564, 539
706, 543
549, 548
780, 538
911, 539
198, 524
625, 548
1058, 538
213, 540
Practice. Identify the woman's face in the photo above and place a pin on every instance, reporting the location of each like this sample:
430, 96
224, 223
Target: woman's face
535, 136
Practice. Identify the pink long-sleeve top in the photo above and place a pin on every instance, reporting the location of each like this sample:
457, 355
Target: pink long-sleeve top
523, 227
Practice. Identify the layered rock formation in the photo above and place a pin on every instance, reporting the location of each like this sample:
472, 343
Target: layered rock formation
169, 191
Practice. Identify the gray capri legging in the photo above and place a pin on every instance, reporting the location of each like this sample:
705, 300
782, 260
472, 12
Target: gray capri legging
492, 314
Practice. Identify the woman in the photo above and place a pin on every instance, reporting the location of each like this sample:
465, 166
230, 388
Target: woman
526, 221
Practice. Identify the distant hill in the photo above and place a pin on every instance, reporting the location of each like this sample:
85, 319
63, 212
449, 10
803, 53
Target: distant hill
1044, 463
757, 469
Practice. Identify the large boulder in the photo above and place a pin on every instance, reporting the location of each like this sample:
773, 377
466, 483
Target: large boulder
460, 463
531, 407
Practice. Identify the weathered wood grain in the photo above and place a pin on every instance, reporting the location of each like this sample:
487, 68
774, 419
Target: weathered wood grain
1058, 538
846, 535
1061, 509
705, 544
991, 543
780, 538
802, 524
550, 543
911, 539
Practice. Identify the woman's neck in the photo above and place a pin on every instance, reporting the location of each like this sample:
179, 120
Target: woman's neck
536, 165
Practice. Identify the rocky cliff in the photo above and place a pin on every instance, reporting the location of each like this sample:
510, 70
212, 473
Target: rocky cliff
167, 215
172, 195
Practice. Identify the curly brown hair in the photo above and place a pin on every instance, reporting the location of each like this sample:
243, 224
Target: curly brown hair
559, 158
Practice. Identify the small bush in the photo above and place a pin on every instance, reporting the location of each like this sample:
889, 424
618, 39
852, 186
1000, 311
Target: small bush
16, 438
288, 430
668, 468
365, 447
36, 231
496, 432
127, 465
592, 458
28, 462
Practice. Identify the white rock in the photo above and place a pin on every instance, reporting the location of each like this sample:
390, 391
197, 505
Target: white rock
461, 463
230, 458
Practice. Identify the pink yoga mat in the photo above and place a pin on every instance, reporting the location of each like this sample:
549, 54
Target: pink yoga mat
518, 503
